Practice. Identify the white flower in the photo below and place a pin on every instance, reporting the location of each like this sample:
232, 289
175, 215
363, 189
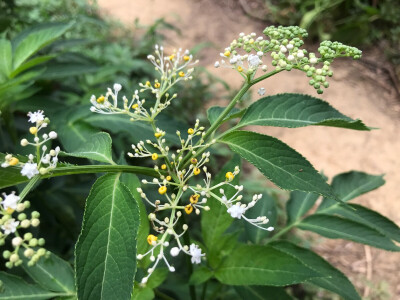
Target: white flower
117, 87
196, 254
10, 201
10, 226
216, 65
17, 241
36, 116
313, 60
236, 211
52, 135
254, 61
261, 91
29, 170
175, 251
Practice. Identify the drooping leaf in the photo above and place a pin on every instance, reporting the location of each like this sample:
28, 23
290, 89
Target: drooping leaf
215, 111
105, 254
299, 203
335, 227
296, 110
31, 63
262, 265
97, 147
278, 162
332, 279
262, 292
13, 287
51, 273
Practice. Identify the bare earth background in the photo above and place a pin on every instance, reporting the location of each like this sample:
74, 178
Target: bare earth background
357, 90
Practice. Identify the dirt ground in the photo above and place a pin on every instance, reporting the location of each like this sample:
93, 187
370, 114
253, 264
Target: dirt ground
358, 89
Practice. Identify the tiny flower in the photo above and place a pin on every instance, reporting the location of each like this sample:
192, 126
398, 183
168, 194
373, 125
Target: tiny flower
17, 241
163, 166
196, 254
36, 116
52, 135
117, 87
33, 130
162, 190
229, 176
29, 170
188, 209
236, 211
254, 61
10, 202
193, 161
216, 65
154, 156
151, 239
175, 251
194, 198
157, 85
190, 131
261, 91
196, 171
10, 226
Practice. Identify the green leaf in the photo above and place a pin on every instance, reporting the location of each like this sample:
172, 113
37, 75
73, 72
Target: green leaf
36, 40
351, 185
97, 147
264, 207
200, 275
332, 279
142, 293
262, 265
105, 254
299, 203
262, 292
296, 110
278, 162
335, 227
215, 111
31, 63
13, 287
64, 70
11, 175
52, 273
5, 59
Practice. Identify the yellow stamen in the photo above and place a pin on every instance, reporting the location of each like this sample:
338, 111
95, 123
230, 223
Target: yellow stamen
134, 106
194, 198
229, 176
186, 58
162, 190
154, 156
181, 74
13, 161
227, 53
151, 238
190, 130
163, 167
101, 99
33, 130
158, 134
148, 83
188, 209
240, 69
9, 210
193, 161
168, 178
171, 57
157, 85
196, 171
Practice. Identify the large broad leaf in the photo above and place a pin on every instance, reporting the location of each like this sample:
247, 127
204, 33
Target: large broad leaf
278, 162
333, 279
296, 110
262, 265
299, 203
97, 147
5, 59
52, 273
31, 63
262, 293
351, 185
215, 111
34, 41
13, 287
105, 254
335, 227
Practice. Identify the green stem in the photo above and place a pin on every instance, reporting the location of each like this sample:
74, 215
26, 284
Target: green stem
28, 187
204, 292
283, 231
162, 295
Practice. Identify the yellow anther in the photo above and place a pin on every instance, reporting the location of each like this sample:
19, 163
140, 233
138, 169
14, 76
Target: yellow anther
162, 190
188, 209
190, 130
157, 85
154, 156
168, 178
158, 134
134, 106
196, 171
171, 57
33, 130
251, 41
229, 176
227, 53
240, 69
9, 210
186, 58
151, 239
193, 161
101, 99
148, 83
163, 167
194, 198
13, 161
181, 74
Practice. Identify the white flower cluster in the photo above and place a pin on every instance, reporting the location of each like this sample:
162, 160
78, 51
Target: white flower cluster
10, 225
36, 164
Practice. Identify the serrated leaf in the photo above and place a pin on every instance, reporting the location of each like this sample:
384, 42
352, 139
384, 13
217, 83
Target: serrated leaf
332, 278
15, 288
262, 265
335, 227
262, 293
351, 185
105, 254
296, 110
215, 111
278, 162
5, 59
200, 275
299, 203
52, 273
97, 147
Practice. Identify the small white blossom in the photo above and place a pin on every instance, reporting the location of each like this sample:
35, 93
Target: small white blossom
10, 201
29, 170
261, 91
236, 211
175, 251
36, 116
254, 61
216, 65
196, 254
10, 226
52, 135
117, 87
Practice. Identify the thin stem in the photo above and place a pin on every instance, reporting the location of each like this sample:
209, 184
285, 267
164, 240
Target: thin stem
283, 231
28, 187
162, 295
204, 292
